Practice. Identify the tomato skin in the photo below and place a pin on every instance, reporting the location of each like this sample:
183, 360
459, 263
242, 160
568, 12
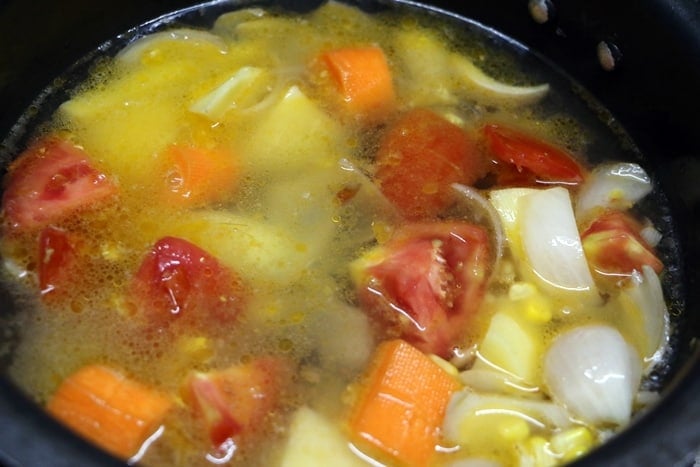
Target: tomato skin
418, 159
234, 403
57, 259
177, 280
537, 160
426, 283
49, 181
614, 247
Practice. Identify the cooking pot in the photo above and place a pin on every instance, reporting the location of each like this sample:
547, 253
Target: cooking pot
639, 59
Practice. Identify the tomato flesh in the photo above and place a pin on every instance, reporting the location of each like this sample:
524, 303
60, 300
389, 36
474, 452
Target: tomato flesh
179, 280
536, 160
614, 247
419, 157
429, 280
234, 403
56, 259
49, 181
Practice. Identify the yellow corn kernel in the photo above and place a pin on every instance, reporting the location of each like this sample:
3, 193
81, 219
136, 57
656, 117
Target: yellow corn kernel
535, 306
514, 429
521, 291
542, 456
572, 443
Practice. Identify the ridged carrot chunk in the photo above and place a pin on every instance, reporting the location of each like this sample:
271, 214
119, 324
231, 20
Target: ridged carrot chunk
401, 407
116, 413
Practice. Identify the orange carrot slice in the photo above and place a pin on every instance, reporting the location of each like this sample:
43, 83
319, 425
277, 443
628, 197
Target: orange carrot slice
196, 175
363, 77
401, 407
107, 408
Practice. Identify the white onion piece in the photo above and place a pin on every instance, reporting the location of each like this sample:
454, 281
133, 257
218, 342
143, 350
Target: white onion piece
132, 52
464, 67
617, 185
648, 302
595, 373
551, 242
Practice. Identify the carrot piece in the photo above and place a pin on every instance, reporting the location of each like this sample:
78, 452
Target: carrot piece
363, 77
116, 413
401, 407
195, 175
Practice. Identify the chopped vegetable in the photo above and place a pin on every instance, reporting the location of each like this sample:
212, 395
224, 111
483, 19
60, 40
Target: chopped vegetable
547, 163
363, 78
426, 283
246, 88
613, 186
594, 372
179, 281
419, 157
469, 72
511, 347
195, 176
315, 441
286, 139
255, 249
234, 403
506, 203
614, 246
402, 403
551, 243
113, 411
133, 53
51, 180
495, 422
645, 313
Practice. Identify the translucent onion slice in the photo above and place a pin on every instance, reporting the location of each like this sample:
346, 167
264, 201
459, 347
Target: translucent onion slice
643, 303
499, 382
617, 185
551, 242
595, 373
132, 52
468, 413
464, 67
473, 206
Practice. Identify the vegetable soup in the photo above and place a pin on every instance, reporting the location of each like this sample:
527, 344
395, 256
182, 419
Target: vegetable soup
333, 238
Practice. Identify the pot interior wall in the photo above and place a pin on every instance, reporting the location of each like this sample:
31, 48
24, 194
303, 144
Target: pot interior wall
651, 94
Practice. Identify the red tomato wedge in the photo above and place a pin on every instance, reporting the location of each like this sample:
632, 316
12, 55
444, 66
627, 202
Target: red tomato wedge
56, 260
546, 163
614, 247
234, 403
177, 280
49, 181
425, 283
419, 156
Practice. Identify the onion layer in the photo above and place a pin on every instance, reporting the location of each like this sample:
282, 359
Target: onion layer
595, 373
